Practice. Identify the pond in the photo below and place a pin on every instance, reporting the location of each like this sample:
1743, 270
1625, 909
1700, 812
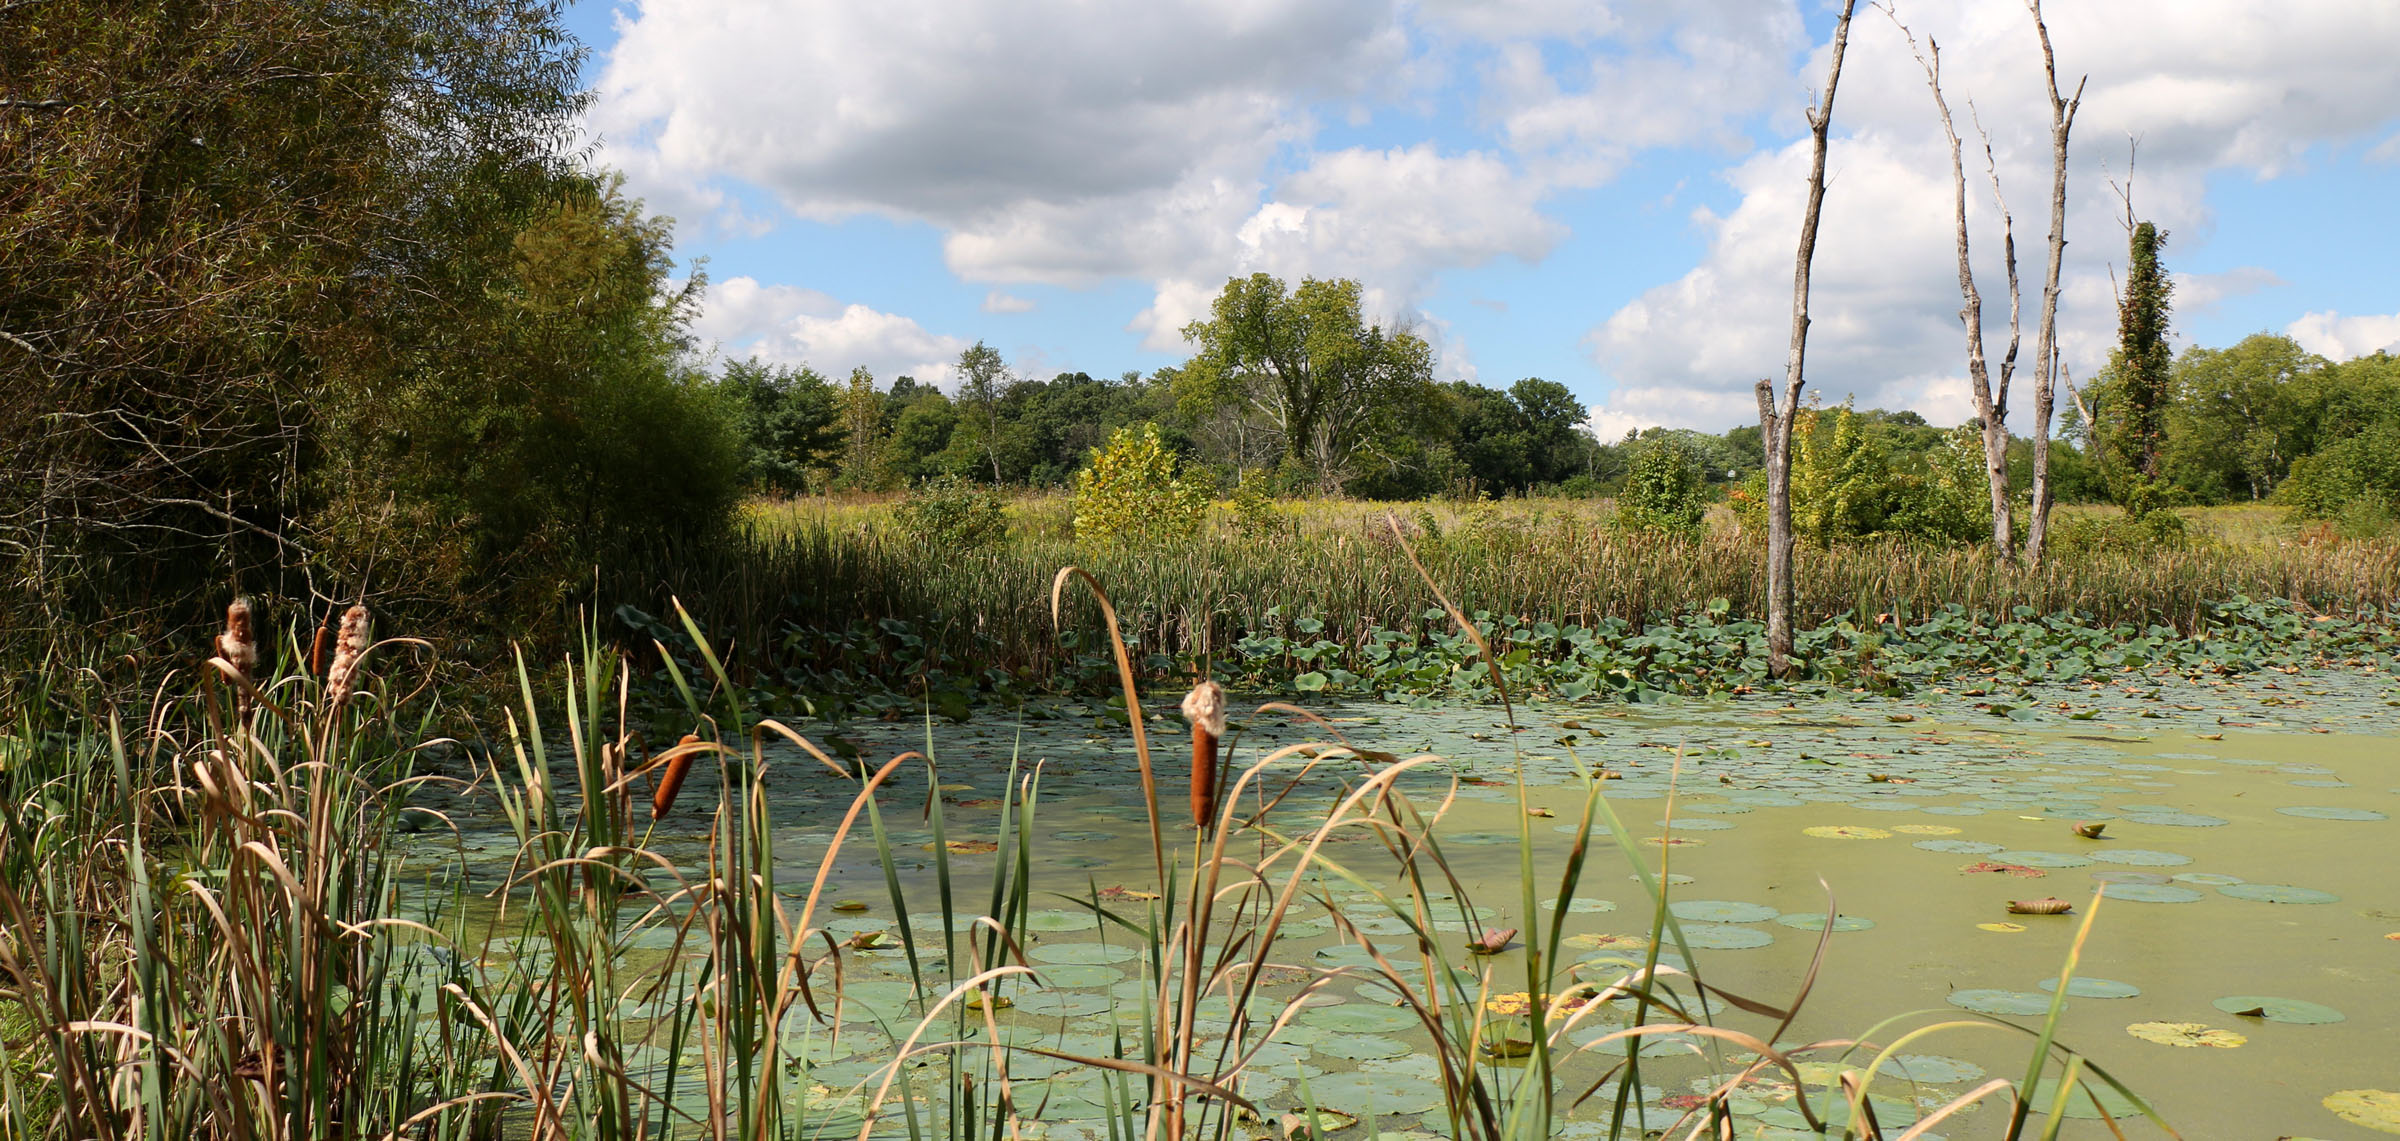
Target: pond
2243, 965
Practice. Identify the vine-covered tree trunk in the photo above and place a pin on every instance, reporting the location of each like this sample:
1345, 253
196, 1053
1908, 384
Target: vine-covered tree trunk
2144, 368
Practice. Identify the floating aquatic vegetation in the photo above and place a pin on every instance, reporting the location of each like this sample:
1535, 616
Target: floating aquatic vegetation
2186, 1034
2271, 1009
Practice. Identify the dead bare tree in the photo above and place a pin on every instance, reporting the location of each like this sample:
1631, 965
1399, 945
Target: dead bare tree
1776, 411
2045, 344
1991, 399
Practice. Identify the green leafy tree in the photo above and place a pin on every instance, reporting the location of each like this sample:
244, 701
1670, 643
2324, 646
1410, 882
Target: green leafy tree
1134, 491
1666, 489
921, 432
786, 422
862, 432
1338, 393
2240, 416
982, 381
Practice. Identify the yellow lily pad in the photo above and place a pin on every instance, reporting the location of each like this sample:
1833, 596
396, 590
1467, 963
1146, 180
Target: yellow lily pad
2374, 1109
1926, 829
1846, 832
2188, 1034
2004, 928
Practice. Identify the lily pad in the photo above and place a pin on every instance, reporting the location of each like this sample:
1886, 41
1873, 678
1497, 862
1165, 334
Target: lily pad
2277, 893
1358, 1047
1080, 976
2272, 1009
1724, 937
1359, 1018
1581, 905
2002, 928
2152, 893
1815, 921
1721, 911
1057, 920
1926, 829
1365, 1093
2084, 987
2085, 1103
1083, 953
1958, 847
1988, 1001
1846, 832
2316, 812
2175, 819
2374, 1109
2208, 879
2041, 859
1930, 1069
2186, 1034
2140, 857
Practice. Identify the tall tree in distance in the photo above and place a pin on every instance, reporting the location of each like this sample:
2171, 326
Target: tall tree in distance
1776, 411
2047, 372
2144, 371
862, 431
982, 381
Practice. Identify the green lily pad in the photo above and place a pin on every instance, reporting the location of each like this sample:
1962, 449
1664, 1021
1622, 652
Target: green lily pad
2085, 987
1083, 953
2152, 893
1060, 1004
2277, 893
2208, 879
2315, 812
1724, 937
1958, 847
2041, 859
1359, 1018
2085, 1103
1080, 976
1357, 1047
1987, 1001
1581, 905
1372, 1094
2273, 1009
1815, 921
1930, 1069
2140, 857
1056, 920
1721, 911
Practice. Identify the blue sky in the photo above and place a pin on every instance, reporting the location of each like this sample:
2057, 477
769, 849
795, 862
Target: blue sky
1603, 195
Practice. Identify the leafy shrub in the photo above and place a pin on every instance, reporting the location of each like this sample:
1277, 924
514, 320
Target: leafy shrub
1666, 490
1134, 490
1951, 499
950, 512
2363, 467
1254, 511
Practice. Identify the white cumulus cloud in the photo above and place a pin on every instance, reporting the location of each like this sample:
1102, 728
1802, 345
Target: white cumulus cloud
788, 325
2340, 338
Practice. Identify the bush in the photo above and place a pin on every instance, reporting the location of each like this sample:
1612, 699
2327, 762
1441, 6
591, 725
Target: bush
1134, 491
1254, 511
1951, 500
1666, 490
947, 511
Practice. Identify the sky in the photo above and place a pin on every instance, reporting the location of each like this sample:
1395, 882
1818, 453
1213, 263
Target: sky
1606, 195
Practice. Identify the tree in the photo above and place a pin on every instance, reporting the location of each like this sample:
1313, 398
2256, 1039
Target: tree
982, 380
2047, 370
1666, 489
1991, 399
862, 431
1337, 392
1775, 411
214, 218
786, 422
2239, 416
2138, 422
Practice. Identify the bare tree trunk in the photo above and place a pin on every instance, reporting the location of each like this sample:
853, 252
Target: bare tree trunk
1775, 412
2045, 346
1991, 402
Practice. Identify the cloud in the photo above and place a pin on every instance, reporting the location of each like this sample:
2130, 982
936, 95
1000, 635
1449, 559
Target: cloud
2340, 338
1002, 301
789, 325
2201, 293
2207, 85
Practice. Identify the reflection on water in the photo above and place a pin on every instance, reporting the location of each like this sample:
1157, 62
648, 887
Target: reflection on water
2242, 825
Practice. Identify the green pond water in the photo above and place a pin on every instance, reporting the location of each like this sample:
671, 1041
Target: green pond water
2251, 863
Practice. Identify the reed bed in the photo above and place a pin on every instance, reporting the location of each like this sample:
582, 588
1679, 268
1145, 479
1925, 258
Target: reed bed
822, 565
214, 930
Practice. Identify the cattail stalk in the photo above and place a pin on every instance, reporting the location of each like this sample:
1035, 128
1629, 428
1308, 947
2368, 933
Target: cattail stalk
347, 650
670, 782
1204, 707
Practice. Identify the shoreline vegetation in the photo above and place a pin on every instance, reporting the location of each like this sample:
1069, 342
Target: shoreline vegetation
825, 602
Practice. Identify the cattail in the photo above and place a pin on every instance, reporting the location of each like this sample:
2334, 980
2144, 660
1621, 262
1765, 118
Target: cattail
316, 647
671, 781
1204, 707
347, 650
237, 645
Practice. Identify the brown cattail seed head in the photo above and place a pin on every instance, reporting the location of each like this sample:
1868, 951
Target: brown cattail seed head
1204, 707
347, 650
670, 782
237, 645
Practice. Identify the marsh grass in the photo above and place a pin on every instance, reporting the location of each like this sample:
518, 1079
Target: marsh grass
215, 929
804, 568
